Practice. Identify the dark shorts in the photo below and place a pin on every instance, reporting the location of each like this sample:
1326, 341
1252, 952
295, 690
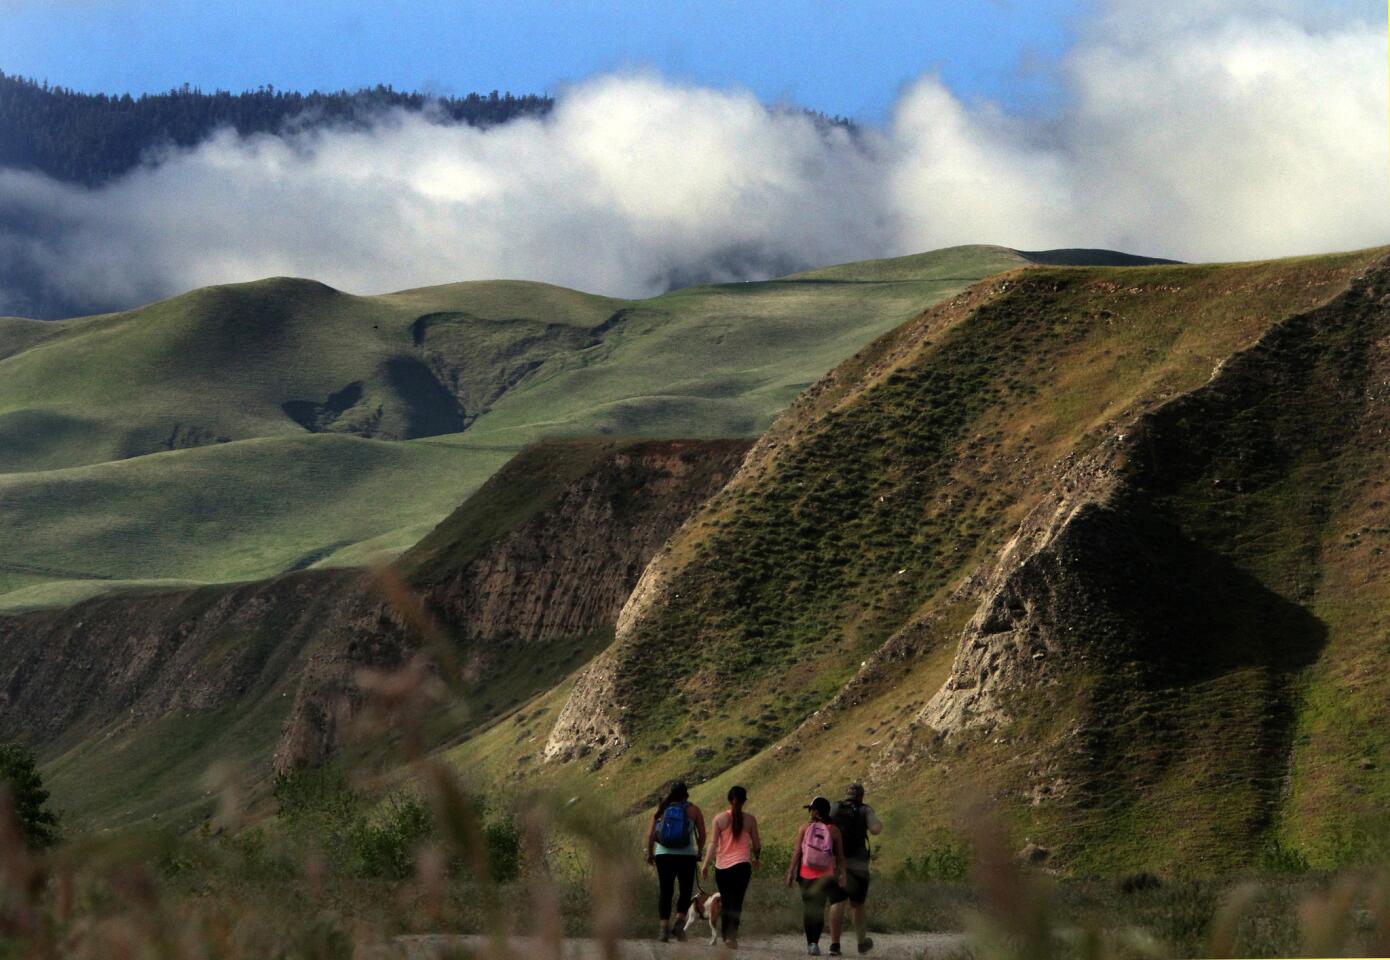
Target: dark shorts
857, 882
824, 889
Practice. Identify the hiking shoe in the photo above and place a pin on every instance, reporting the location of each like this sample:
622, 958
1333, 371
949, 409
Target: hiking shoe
665, 936
678, 931
835, 950
866, 944
813, 949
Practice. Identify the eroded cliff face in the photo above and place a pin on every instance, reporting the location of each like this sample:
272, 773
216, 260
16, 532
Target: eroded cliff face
571, 569
563, 570
561, 574
123, 660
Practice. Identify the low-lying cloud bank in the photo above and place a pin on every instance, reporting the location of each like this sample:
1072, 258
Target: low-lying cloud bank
1256, 130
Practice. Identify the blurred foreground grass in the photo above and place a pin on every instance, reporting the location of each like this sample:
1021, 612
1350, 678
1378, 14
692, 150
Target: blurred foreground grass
352, 855
264, 895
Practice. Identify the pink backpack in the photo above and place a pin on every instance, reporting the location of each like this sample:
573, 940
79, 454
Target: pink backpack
817, 849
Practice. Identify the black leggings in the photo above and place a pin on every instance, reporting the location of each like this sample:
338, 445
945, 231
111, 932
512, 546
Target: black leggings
671, 867
733, 885
814, 896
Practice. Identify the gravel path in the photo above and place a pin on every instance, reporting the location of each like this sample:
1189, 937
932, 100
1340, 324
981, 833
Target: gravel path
888, 946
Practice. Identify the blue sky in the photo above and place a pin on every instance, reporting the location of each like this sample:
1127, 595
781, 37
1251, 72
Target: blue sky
849, 58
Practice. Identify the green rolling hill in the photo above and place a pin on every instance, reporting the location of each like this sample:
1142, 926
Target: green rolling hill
238, 431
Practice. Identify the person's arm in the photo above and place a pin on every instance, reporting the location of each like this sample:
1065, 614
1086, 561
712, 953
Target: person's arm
651, 841
755, 843
795, 869
713, 843
871, 820
839, 843
699, 817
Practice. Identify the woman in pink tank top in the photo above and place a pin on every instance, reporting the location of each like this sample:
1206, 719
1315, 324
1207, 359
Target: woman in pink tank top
735, 851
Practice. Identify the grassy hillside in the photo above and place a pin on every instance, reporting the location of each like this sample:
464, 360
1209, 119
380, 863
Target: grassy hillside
222, 364
18, 334
825, 591
129, 699
229, 512
240, 430
1099, 544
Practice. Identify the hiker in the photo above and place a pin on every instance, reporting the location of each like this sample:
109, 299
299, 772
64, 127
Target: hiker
818, 867
735, 851
675, 843
856, 820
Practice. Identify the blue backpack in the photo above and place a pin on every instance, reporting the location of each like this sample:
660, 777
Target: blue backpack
673, 829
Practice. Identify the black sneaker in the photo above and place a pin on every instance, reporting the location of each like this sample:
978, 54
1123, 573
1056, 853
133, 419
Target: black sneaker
665, 936
678, 931
835, 950
866, 944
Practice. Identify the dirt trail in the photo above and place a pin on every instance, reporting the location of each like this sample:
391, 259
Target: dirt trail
895, 946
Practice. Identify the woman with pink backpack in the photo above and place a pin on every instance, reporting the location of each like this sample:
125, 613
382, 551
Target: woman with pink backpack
818, 867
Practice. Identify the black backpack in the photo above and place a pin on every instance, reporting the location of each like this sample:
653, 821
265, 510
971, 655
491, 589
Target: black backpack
853, 826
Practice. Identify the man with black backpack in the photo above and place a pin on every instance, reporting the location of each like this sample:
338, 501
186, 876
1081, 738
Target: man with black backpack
856, 820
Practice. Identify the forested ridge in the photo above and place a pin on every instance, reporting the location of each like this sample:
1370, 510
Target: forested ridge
91, 137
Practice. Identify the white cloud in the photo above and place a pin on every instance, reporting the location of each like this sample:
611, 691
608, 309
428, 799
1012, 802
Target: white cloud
1249, 129
1244, 135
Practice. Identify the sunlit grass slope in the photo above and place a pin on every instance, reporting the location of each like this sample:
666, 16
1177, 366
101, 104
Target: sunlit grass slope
234, 511
237, 431
854, 532
221, 363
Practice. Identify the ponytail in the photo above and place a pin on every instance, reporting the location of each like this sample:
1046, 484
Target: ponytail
678, 793
737, 797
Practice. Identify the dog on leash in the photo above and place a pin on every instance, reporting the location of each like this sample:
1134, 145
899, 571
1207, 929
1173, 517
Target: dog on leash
705, 908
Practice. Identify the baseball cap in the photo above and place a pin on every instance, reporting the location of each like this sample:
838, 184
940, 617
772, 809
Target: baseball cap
820, 805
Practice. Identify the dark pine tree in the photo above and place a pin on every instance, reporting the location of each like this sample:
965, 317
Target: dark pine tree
91, 137
19, 777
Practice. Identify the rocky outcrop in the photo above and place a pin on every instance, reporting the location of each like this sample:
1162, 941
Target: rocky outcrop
1011, 640
590, 719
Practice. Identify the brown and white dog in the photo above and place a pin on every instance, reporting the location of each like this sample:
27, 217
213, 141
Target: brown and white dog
705, 908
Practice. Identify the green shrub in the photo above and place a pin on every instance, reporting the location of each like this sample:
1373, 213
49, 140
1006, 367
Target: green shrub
776, 857
503, 841
315, 794
1276, 858
384, 844
363, 838
948, 862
